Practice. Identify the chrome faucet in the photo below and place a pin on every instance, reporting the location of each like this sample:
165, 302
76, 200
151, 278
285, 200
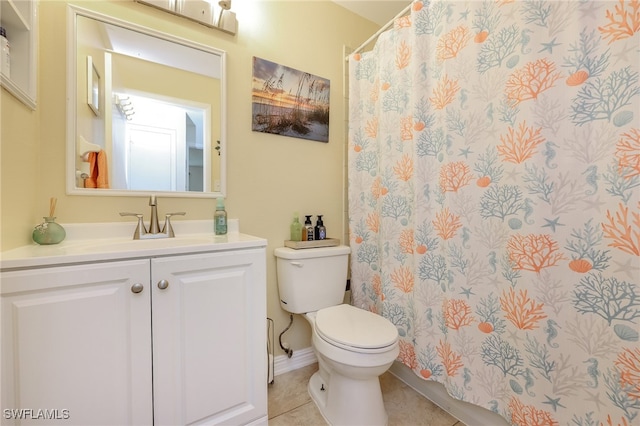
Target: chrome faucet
141, 232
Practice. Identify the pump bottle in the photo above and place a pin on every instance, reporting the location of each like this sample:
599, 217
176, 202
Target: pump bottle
220, 218
307, 231
320, 230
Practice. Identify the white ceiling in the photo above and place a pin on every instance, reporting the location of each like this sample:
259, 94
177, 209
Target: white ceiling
378, 11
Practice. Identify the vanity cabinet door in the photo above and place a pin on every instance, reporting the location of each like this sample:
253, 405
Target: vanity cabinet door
76, 345
209, 338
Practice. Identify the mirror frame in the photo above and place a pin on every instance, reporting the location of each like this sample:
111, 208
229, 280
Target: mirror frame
73, 12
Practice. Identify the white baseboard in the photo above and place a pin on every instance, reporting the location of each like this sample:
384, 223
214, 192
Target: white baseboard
435, 392
300, 358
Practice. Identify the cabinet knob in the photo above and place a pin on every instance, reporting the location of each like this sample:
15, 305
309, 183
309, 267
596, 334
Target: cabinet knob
163, 284
137, 288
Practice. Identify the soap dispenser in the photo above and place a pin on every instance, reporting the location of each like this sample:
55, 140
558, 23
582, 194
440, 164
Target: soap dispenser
307, 232
296, 228
320, 231
220, 218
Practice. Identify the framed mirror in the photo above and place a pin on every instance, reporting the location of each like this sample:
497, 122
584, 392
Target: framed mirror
145, 111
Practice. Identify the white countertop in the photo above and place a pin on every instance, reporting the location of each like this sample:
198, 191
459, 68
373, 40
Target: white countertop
114, 241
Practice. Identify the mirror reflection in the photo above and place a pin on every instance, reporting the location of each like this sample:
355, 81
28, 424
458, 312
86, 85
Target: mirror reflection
147, 115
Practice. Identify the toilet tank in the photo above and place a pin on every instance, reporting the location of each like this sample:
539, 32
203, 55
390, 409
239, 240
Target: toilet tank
311, 279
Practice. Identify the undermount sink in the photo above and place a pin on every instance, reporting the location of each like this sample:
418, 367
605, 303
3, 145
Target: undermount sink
89, 242
118, 245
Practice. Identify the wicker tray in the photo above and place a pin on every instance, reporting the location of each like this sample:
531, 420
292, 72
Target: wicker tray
327, 242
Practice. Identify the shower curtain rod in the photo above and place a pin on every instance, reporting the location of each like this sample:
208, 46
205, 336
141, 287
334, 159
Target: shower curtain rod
380, 31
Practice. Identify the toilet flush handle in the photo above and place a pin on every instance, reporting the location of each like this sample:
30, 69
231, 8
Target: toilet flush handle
298, 264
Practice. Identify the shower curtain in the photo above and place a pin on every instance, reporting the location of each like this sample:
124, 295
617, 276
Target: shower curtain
494, 207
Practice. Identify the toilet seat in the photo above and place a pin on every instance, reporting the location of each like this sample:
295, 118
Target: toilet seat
355, 329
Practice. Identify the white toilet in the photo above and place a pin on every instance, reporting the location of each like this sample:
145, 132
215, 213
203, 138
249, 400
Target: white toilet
353, 346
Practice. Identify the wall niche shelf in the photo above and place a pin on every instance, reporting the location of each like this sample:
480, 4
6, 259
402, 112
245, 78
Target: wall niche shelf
19, 19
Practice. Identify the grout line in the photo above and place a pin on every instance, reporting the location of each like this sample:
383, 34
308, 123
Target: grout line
295, 408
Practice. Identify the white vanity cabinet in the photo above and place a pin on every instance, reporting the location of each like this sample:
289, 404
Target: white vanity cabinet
174, 339
77, 339
209, 338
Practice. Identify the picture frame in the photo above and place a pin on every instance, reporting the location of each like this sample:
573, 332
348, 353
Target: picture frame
93, 87
289, 102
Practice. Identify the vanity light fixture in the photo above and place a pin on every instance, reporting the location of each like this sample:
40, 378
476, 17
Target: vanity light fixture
201, 11
227, 19
224, 5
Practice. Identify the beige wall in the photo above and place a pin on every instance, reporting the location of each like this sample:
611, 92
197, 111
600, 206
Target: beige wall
269, 177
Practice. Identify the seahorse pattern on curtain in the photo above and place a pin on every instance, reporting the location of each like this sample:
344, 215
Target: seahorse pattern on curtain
494, 207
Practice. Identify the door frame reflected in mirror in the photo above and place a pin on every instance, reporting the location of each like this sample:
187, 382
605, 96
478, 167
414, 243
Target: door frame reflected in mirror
214, 185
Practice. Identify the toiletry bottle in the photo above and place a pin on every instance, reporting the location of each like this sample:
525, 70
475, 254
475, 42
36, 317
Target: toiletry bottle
296, 228
307, 231
220, 218
320, 231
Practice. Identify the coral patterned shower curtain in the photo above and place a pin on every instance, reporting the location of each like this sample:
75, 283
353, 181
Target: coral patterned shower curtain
494, 207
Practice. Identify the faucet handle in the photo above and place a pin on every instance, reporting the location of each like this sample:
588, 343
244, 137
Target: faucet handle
167, 228
140, 229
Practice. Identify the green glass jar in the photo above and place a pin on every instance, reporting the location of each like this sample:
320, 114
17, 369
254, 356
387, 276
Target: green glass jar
48, 232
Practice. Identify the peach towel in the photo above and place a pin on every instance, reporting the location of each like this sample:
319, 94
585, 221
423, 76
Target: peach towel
98, 172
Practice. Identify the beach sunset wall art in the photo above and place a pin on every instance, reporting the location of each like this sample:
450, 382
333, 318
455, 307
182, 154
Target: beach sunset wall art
289, 102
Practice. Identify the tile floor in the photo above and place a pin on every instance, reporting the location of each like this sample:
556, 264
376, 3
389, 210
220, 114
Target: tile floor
290, 403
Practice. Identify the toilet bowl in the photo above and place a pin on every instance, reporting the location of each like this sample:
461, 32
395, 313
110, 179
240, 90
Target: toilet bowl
346, 388
353, 346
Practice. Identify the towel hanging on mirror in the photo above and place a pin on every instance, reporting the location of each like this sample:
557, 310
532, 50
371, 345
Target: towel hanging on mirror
98, 171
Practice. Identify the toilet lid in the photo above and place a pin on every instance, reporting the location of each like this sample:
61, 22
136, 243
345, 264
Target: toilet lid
354, 327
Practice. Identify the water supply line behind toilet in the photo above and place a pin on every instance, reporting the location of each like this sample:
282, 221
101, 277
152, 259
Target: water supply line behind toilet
288, 351
270, 357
